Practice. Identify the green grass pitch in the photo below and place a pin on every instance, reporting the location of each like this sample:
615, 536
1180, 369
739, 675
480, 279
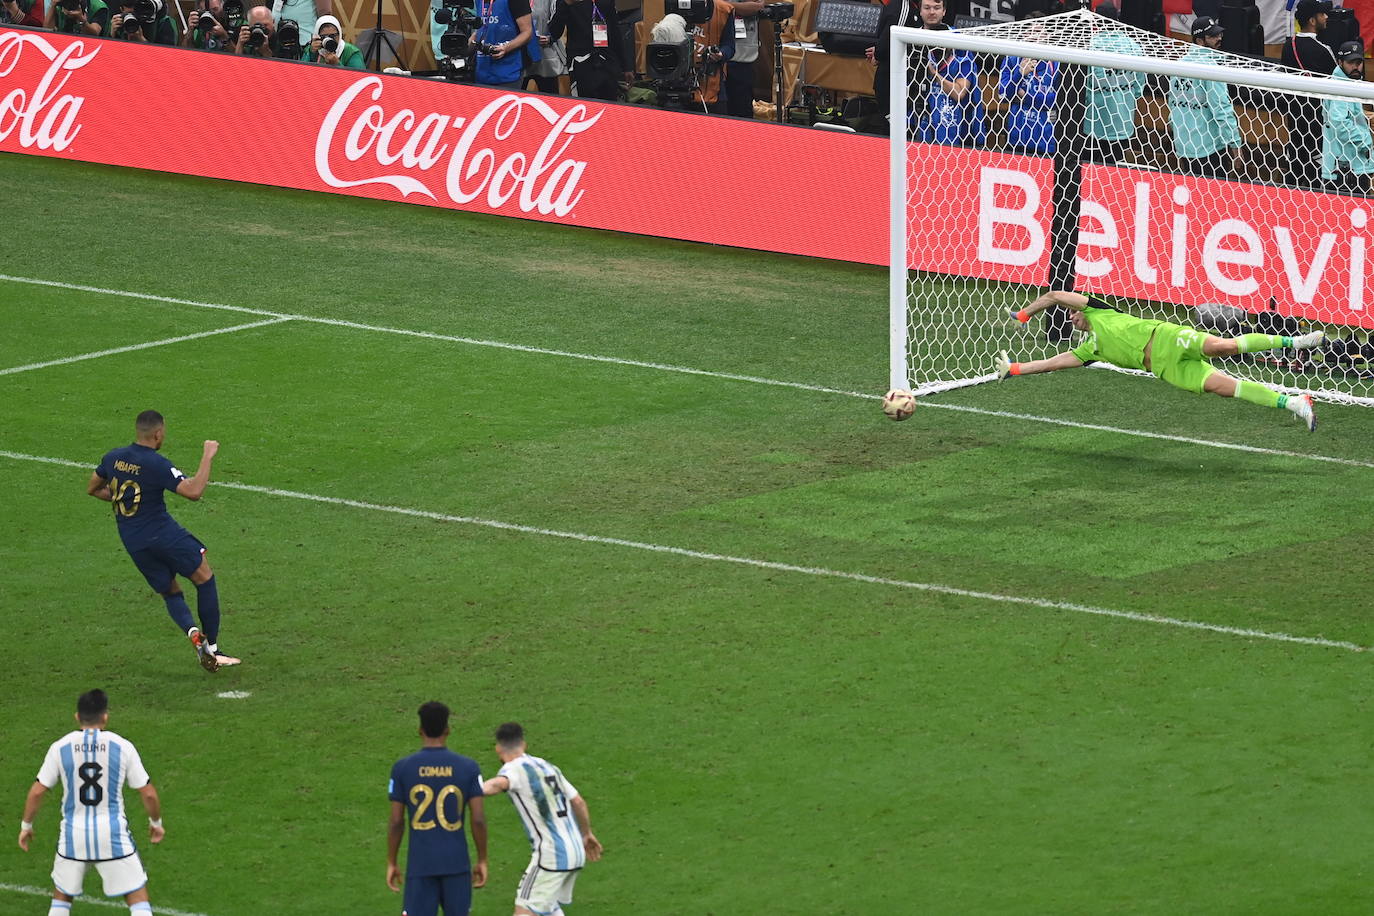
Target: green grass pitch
808, 733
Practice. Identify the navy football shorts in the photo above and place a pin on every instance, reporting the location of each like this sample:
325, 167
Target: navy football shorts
160, 563
424, 894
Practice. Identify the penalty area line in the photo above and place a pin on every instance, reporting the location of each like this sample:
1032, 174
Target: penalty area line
687, 370
1043, 603
14, 370
97, 901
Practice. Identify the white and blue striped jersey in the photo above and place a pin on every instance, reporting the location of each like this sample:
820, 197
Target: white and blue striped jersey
541, 794
94, 766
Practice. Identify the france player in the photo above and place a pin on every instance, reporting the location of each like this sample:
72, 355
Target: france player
543, 797
430, 788
94, 765
133, 479
1172, 352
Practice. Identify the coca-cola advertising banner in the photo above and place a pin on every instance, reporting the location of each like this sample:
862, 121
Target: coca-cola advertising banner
734, 182
1148, 235
627, 168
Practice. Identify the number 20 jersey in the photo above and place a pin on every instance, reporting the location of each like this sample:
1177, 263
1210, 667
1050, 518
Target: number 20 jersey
435, 784
93, 766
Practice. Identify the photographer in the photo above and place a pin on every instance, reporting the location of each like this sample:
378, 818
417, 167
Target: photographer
21, 12
504, 42
260, 36
328, 47
596, 46
79, 17
143, 20
214, 28
739, 73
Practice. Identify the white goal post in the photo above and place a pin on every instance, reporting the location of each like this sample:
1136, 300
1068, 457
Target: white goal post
1077, 152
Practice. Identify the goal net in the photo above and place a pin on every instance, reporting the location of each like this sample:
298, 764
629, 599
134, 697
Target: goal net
1180, 181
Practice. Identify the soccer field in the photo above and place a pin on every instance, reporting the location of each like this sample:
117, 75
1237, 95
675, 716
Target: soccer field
1068, 644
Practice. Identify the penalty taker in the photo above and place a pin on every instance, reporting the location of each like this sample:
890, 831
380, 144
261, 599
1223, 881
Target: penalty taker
1172, 352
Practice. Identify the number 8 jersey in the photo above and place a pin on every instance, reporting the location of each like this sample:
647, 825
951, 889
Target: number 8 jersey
94, 766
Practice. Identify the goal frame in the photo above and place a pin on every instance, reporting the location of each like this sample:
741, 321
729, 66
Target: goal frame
903, 39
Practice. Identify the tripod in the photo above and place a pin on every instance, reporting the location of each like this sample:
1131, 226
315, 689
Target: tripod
372, 56
777, 68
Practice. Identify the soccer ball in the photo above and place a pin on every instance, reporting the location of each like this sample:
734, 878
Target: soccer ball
899, 404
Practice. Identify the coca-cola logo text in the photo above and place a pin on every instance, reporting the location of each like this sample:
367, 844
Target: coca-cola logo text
46, 116
540, 176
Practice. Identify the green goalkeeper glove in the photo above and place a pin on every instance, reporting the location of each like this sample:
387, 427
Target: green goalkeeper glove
1003, 365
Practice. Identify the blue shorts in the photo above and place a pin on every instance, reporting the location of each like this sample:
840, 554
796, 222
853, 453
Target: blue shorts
161, 563
424, 894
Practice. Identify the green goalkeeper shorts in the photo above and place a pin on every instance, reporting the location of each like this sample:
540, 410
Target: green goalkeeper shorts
1176, 357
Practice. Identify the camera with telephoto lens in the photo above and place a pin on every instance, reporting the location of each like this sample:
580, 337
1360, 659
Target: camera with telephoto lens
257, 37
206, 22
288, 39
777, 12
329, 44
232, 13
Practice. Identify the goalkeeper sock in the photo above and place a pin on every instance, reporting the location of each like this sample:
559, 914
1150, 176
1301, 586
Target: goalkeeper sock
1256, 393
1249, 343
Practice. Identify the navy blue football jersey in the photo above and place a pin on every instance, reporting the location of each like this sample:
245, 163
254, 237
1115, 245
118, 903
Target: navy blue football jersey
138, 477
435, 784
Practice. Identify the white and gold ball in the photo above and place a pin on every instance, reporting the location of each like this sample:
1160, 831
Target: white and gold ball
899, 404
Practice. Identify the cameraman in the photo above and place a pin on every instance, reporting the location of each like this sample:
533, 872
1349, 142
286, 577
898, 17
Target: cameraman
328, 47
503, 42
143, 20
596, 46
21, 12
79, 17
739, 73
213, 28
260, 36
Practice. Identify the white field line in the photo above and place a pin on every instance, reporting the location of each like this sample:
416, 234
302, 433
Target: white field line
758, 564
13, 370
89, 899
686, 370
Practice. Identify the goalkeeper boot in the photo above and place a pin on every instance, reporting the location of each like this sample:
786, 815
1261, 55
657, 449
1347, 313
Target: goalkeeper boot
1302, 408
1309, 340
208, 659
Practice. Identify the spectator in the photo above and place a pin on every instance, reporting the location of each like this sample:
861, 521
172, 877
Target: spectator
1113, 95
553, 54
21, 12
212, 28
595, 45
1201, 117
256, 35
918, 14
143, 20
1029, 86
507, 28
79, 17
951, 109
1304, 51
328, 47
1347, 144
305, 13
739, 73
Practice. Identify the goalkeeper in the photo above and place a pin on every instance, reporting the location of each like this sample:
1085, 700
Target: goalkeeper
1175, 353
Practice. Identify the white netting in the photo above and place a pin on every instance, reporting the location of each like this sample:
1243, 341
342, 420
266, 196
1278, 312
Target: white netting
1184, 183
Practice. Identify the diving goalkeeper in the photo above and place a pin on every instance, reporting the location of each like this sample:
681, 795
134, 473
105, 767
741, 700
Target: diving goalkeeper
1175, 353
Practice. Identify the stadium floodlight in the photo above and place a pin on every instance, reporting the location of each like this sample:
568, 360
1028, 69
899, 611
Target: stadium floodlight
1076, 152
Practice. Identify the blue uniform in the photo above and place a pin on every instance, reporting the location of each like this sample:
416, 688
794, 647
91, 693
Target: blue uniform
161, 549
435, 784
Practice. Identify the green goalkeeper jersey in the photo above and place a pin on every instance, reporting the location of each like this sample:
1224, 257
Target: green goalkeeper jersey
1116, 337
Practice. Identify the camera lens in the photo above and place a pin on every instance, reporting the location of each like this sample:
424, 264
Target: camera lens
330, 44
